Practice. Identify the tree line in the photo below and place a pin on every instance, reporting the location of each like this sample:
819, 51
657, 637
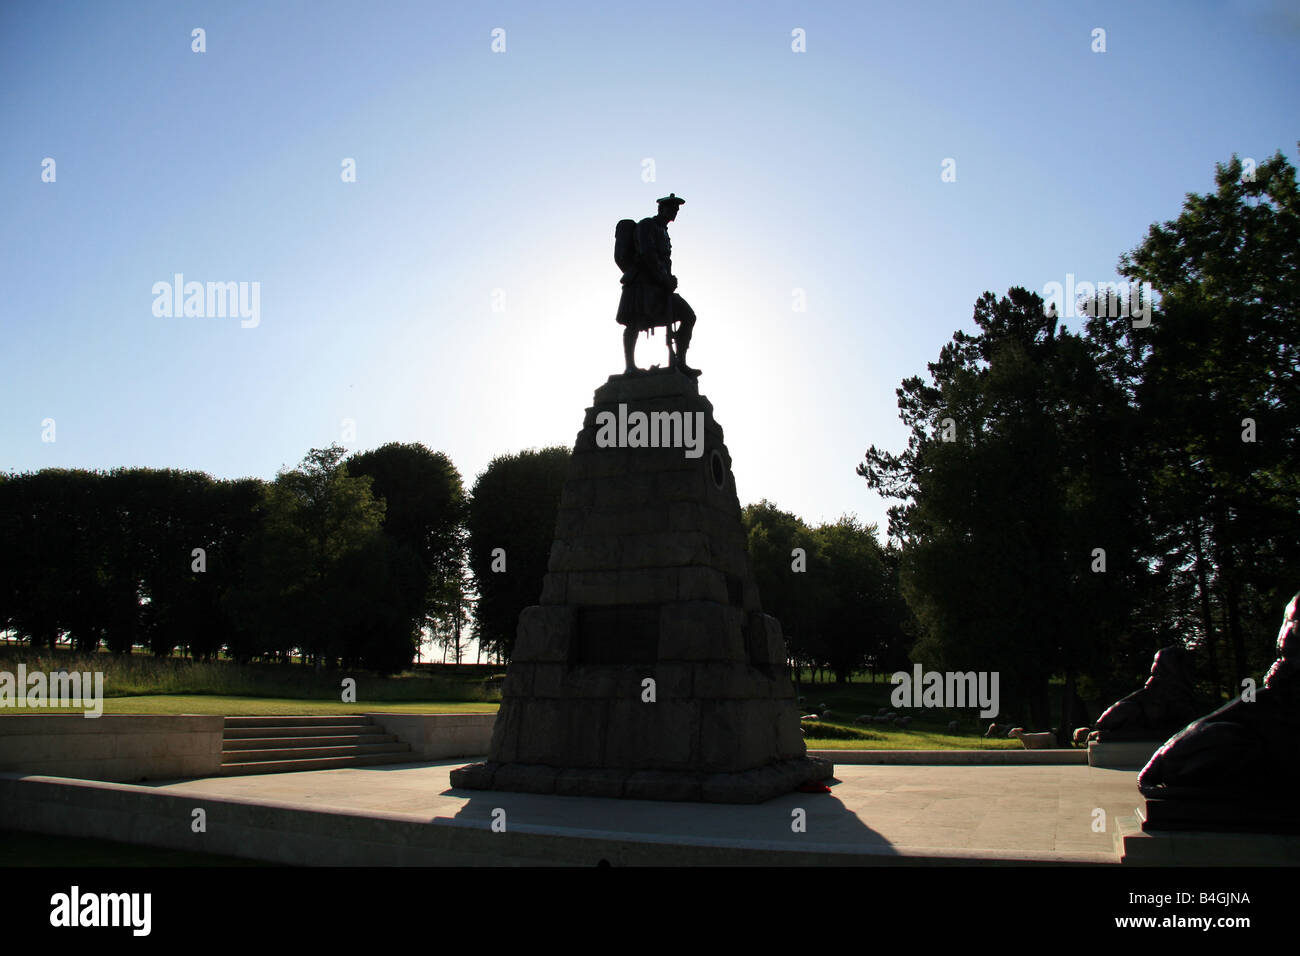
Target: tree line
338, 562
346, 561
1068, 503
1071, 501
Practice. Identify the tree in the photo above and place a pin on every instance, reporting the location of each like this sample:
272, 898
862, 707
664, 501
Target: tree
425, 509
860, 620
1007, 482
833, 588
787, 569
316, 518
1218, 374
511, 524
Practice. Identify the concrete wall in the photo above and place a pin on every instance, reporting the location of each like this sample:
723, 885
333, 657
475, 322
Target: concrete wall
123, 749
435, 736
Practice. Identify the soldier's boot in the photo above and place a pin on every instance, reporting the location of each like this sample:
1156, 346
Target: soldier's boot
683, 339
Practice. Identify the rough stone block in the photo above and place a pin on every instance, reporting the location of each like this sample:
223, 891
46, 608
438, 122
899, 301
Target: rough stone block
700, 631
578, 493
764, 641
646, 586
623, 388
563, 733
555, 588
505, 732
701, 584
593, 588
686, 516
731, 738
590, 782
595, 462
626, 491
731, 788
730, 681
641, 518
674, 679
475, 776
682, 485
545, 634
663, 785
789, 741
519, 679
525, 778
764, 783
606, 681
588, 553
569, 523
749, 786
548, 680
661, 735
662, 549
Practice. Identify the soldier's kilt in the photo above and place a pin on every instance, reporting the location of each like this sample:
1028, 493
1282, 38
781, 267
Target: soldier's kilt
644, 306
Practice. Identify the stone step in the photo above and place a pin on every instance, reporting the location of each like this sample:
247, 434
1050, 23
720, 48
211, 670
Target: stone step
285, 743
312, 763
299, 730
303, 753
304, 720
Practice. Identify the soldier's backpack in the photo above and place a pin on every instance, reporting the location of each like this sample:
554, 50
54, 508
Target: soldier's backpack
625, 244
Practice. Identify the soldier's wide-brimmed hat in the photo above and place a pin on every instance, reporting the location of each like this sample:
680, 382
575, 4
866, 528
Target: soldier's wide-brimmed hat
672, 199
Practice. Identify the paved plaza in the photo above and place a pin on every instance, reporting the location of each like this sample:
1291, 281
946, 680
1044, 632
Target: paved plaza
935, 813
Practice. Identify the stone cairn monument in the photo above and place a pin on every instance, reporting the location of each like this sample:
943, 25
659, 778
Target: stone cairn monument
648, 670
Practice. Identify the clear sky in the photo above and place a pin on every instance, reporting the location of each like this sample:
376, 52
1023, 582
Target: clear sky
478, 171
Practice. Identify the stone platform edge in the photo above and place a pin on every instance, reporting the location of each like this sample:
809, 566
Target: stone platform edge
748, 786
1204, 848
112, 747
439, 736
286, 833
1122, 754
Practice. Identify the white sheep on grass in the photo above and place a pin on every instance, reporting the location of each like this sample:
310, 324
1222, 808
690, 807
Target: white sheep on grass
1043, 741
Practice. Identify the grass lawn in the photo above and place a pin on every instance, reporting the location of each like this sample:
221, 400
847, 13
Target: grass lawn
266, 706
893, 738
929, 729
847, 736
38, 849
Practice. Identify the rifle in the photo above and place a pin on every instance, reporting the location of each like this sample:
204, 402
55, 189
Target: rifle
668, 330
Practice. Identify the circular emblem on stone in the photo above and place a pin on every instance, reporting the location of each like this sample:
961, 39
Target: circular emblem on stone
718, 470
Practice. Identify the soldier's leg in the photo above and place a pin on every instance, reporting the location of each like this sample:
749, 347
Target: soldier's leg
630, 332
685, 315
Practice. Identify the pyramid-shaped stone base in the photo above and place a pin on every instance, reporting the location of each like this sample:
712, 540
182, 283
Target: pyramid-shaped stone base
648, 670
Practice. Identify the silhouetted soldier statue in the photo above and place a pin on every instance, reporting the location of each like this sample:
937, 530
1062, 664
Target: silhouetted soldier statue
644, 252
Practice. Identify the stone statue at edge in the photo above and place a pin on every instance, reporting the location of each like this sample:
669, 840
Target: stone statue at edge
1164, 705
1248, 747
